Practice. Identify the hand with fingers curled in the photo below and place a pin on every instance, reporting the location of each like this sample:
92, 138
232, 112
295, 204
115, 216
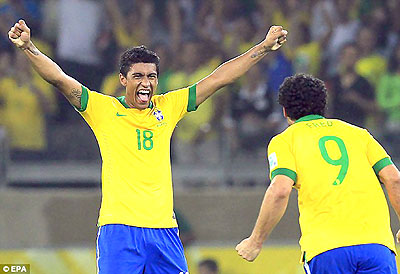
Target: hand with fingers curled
248, 249
275, 38
20, 35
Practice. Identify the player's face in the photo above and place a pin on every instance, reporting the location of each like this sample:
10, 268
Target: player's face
140, 83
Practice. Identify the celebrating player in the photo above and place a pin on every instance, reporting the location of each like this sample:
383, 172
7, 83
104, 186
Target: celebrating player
336, 168
137, 228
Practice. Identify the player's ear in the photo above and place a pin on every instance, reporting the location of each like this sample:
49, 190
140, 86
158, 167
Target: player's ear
284, 112
122, 80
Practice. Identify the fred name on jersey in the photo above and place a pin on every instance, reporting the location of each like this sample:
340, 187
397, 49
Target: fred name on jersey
319, 123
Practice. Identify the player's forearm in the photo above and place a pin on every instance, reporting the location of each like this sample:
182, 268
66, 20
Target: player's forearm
53, 74
390, 177
229, 71
394, 197
393, 190
46, 68
272, 209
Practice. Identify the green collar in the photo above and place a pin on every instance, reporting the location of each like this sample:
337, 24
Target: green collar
309, 118
121, 99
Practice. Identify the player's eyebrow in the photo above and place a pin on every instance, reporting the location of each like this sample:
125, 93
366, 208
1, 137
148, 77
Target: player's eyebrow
137, 74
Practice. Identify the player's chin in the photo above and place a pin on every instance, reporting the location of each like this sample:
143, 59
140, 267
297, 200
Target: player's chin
143, 104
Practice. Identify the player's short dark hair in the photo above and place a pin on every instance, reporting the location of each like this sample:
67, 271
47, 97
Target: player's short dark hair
302, 95
210, 264
139, 54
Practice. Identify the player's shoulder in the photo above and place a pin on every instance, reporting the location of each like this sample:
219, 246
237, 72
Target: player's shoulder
96, 98
170, 95
99, 94
349, 127
284, 136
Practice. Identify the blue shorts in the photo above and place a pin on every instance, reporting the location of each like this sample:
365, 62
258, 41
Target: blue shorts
127, 249
362, 259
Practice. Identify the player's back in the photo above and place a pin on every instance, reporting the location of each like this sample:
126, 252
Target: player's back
333, 163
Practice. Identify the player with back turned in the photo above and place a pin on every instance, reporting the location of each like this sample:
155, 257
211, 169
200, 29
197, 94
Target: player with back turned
336, 168
137, 229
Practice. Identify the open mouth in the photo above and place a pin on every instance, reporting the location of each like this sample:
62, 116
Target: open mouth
143, 95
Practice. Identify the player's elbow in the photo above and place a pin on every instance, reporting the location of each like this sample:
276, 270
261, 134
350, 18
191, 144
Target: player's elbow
281, 190
283, 194
390, 176
220, 78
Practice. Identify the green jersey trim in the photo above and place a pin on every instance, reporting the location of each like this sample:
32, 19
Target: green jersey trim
192, 99
381, 164
121, 99
309, 118
84, 99
284, 171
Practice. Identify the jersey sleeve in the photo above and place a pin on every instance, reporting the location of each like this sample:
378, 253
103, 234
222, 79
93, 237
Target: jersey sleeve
181, 101
377, 156
281, 159
94, 106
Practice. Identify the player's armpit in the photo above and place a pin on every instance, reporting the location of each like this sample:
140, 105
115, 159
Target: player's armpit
70, 88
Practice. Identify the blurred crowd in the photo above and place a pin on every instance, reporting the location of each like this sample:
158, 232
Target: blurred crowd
353, 45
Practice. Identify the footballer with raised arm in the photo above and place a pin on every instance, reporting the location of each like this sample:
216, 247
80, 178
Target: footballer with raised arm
137, 229
336, 169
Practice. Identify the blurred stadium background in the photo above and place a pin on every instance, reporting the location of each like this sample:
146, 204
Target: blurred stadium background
49, 159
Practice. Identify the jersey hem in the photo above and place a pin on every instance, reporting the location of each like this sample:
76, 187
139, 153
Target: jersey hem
284, 171
84, 99
192, 99
381, 164
99, 224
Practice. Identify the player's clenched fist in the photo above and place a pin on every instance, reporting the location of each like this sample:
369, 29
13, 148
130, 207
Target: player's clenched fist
275, 38
20, 34
248, 250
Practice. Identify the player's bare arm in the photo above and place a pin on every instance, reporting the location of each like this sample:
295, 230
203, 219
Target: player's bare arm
20, 36
231, 70
390, 177
272, 209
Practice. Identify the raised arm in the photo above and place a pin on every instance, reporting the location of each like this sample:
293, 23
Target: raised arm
229, 71
390, 177
272, 209
20, 36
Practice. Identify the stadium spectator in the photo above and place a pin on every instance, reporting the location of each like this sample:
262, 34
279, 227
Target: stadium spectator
208, 266
195, 138
393, 36
307, 57
79, 57
253, 114
371, 64
352, 98
134, 135
130, 23
388, 97
307, 156
185, 229
343, 32
323, 14
30, 98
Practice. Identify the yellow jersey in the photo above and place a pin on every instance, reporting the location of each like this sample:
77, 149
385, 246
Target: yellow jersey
22, 114
334, 166
135, 151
